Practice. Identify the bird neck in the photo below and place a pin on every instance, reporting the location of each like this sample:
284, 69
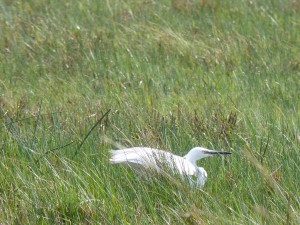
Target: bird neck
193, 156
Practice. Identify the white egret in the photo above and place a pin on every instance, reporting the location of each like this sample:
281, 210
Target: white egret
149, 158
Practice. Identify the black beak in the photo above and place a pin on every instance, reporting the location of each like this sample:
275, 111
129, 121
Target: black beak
211, 152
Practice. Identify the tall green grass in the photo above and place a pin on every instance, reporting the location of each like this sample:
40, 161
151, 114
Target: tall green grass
175, 74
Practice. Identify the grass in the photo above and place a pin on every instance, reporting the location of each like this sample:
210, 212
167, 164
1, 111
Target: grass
175, 74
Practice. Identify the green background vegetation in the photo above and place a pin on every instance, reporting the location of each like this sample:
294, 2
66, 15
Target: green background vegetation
175, 74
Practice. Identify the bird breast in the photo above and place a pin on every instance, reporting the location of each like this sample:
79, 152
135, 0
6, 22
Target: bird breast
201, 176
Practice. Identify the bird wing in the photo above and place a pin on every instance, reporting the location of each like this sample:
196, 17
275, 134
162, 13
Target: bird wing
153, 158
138, 155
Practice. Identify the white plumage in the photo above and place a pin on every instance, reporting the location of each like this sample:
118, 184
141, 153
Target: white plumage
162, 161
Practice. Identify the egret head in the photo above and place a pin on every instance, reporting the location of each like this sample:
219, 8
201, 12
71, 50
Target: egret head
199, 152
